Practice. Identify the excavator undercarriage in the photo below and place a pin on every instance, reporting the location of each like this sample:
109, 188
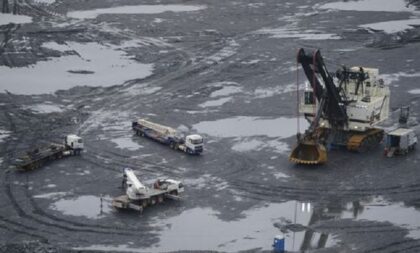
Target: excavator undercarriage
311, 150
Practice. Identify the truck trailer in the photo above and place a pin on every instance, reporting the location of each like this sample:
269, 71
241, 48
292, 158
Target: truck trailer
191, 144
73, 145
138, 196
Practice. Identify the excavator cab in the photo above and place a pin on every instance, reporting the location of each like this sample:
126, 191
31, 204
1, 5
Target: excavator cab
309, 152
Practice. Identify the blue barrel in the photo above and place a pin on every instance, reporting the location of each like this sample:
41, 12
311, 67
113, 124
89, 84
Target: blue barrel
278, 244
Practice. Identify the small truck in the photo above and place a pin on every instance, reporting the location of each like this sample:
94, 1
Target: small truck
400, 141
73, 145
191, 144
138, 196
403, 139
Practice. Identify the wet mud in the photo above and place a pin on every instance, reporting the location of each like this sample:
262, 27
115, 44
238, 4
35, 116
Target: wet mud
225, 70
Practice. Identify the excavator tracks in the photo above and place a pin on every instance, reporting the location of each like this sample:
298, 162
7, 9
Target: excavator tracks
362, 142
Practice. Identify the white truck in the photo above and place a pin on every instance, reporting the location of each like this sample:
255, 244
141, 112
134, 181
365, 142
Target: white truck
73, 145
403, 139
191, 144
400, 141
138, 196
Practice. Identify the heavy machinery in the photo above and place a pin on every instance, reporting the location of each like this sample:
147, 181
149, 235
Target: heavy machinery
403, 139
340, 115
191, 144
138, 196
73, 145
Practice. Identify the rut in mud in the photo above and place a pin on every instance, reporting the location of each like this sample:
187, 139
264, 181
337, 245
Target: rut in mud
226, 70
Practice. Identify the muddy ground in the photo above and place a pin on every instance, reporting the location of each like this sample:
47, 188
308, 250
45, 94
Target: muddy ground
223, 69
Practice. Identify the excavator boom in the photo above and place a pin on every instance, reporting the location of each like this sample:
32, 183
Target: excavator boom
309, 149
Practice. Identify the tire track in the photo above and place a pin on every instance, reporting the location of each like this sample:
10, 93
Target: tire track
314, 191
77, 227
122, 161
24, 232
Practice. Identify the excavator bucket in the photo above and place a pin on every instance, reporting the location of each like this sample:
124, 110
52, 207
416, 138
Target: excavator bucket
309, 152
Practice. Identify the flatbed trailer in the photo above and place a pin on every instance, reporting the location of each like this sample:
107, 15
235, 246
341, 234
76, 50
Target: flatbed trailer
37, 157
191, 144
157, 197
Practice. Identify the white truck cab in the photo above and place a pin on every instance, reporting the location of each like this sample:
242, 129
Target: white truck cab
173, 185
194, 142
74, 142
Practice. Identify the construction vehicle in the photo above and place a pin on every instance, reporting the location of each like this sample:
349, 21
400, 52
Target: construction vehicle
191, 144
403, 139
343, 115
73, 145
138, 196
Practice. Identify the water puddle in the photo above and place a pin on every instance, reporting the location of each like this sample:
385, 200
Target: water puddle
395, 77
279, 175
201, 229
135, 9
378, 209
142, 89
87, 206
370, 5
216, 102
93, 65
126, 143
45, 1
245, 126
250, 145
3, 135
393, 26
57, 47
51, 195
415, 91
224, 53
7, 18
280, 33
207, 181
226, 90
45, 108
247, 145
273, 91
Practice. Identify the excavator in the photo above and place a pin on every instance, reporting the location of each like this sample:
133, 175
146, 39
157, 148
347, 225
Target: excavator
340, 115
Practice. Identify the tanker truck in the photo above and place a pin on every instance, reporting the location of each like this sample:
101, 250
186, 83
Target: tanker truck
191, 144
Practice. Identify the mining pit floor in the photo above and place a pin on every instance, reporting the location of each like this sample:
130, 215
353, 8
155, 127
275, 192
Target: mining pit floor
226, 70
